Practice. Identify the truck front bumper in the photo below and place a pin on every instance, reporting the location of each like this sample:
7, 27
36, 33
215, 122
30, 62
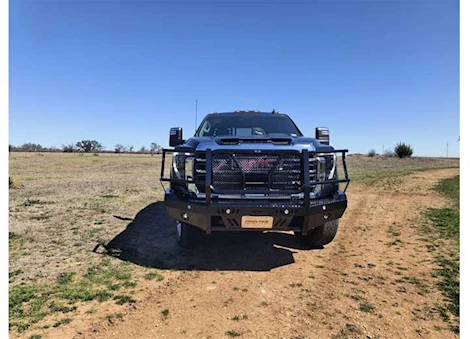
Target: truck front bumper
226, 214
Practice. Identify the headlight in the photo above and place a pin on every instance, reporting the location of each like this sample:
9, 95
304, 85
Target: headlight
322, 167
182, 164
188, 167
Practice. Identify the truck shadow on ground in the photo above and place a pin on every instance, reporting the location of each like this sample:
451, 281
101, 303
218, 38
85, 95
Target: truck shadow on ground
149, 240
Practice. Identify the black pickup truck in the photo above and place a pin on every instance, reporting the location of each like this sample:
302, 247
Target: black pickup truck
254, 171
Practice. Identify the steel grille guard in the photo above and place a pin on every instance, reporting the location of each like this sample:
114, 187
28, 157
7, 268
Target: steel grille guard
306, 187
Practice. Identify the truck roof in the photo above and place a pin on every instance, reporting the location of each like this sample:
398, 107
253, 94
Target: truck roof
239, 111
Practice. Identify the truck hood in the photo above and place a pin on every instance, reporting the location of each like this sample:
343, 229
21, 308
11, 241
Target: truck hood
278, 142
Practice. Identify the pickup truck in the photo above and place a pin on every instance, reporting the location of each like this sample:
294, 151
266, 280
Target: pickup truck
254, 171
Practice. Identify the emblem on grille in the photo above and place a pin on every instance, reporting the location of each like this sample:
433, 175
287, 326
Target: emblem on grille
263, 162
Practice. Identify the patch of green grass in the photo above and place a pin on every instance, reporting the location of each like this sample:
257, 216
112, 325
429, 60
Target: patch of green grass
65, 278
166, 312
35, 336
62, 322
445, 223
153, 275
450, 284
102, 296
129, 284
101, 275
122, 299
449, 187
114, 287
422, 287
26, 307
28, 304
57, 307
366, 307
21, 294
232, 334
76, 293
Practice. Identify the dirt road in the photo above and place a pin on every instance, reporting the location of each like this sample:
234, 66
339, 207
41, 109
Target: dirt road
373, 281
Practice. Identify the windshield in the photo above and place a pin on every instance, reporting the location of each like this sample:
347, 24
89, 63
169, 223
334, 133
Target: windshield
247, 125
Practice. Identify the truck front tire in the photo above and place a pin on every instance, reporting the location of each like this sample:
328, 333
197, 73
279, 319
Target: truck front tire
321, 235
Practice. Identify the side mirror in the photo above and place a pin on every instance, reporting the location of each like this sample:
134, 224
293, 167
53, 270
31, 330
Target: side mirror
322, 134
176, 136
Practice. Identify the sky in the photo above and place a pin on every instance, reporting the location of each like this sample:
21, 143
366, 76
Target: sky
374, 72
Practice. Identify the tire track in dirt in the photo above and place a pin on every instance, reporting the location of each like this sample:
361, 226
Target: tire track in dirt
373, 281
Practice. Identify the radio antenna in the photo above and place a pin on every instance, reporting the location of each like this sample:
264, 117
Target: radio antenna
195, 122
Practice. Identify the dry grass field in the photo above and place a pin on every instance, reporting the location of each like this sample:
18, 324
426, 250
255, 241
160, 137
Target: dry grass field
92, 255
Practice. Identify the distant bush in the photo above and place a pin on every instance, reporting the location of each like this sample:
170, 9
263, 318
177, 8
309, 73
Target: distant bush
119, 148
88, 146
389, 153
68, 148
372, 153
403, 150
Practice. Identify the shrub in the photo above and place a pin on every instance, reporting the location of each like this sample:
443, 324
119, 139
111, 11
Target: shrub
372, 153
389, 153
403, 150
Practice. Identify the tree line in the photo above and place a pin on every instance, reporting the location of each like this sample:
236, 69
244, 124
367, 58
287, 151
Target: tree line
86, 146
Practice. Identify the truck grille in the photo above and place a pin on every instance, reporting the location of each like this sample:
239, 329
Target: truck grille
256, 172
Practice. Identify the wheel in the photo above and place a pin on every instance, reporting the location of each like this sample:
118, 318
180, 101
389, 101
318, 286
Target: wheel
186, 234
321, 235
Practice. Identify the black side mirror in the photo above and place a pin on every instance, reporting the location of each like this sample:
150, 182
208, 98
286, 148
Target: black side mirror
322, 134
176, 136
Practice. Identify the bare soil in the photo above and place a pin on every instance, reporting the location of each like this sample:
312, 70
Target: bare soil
373, 281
